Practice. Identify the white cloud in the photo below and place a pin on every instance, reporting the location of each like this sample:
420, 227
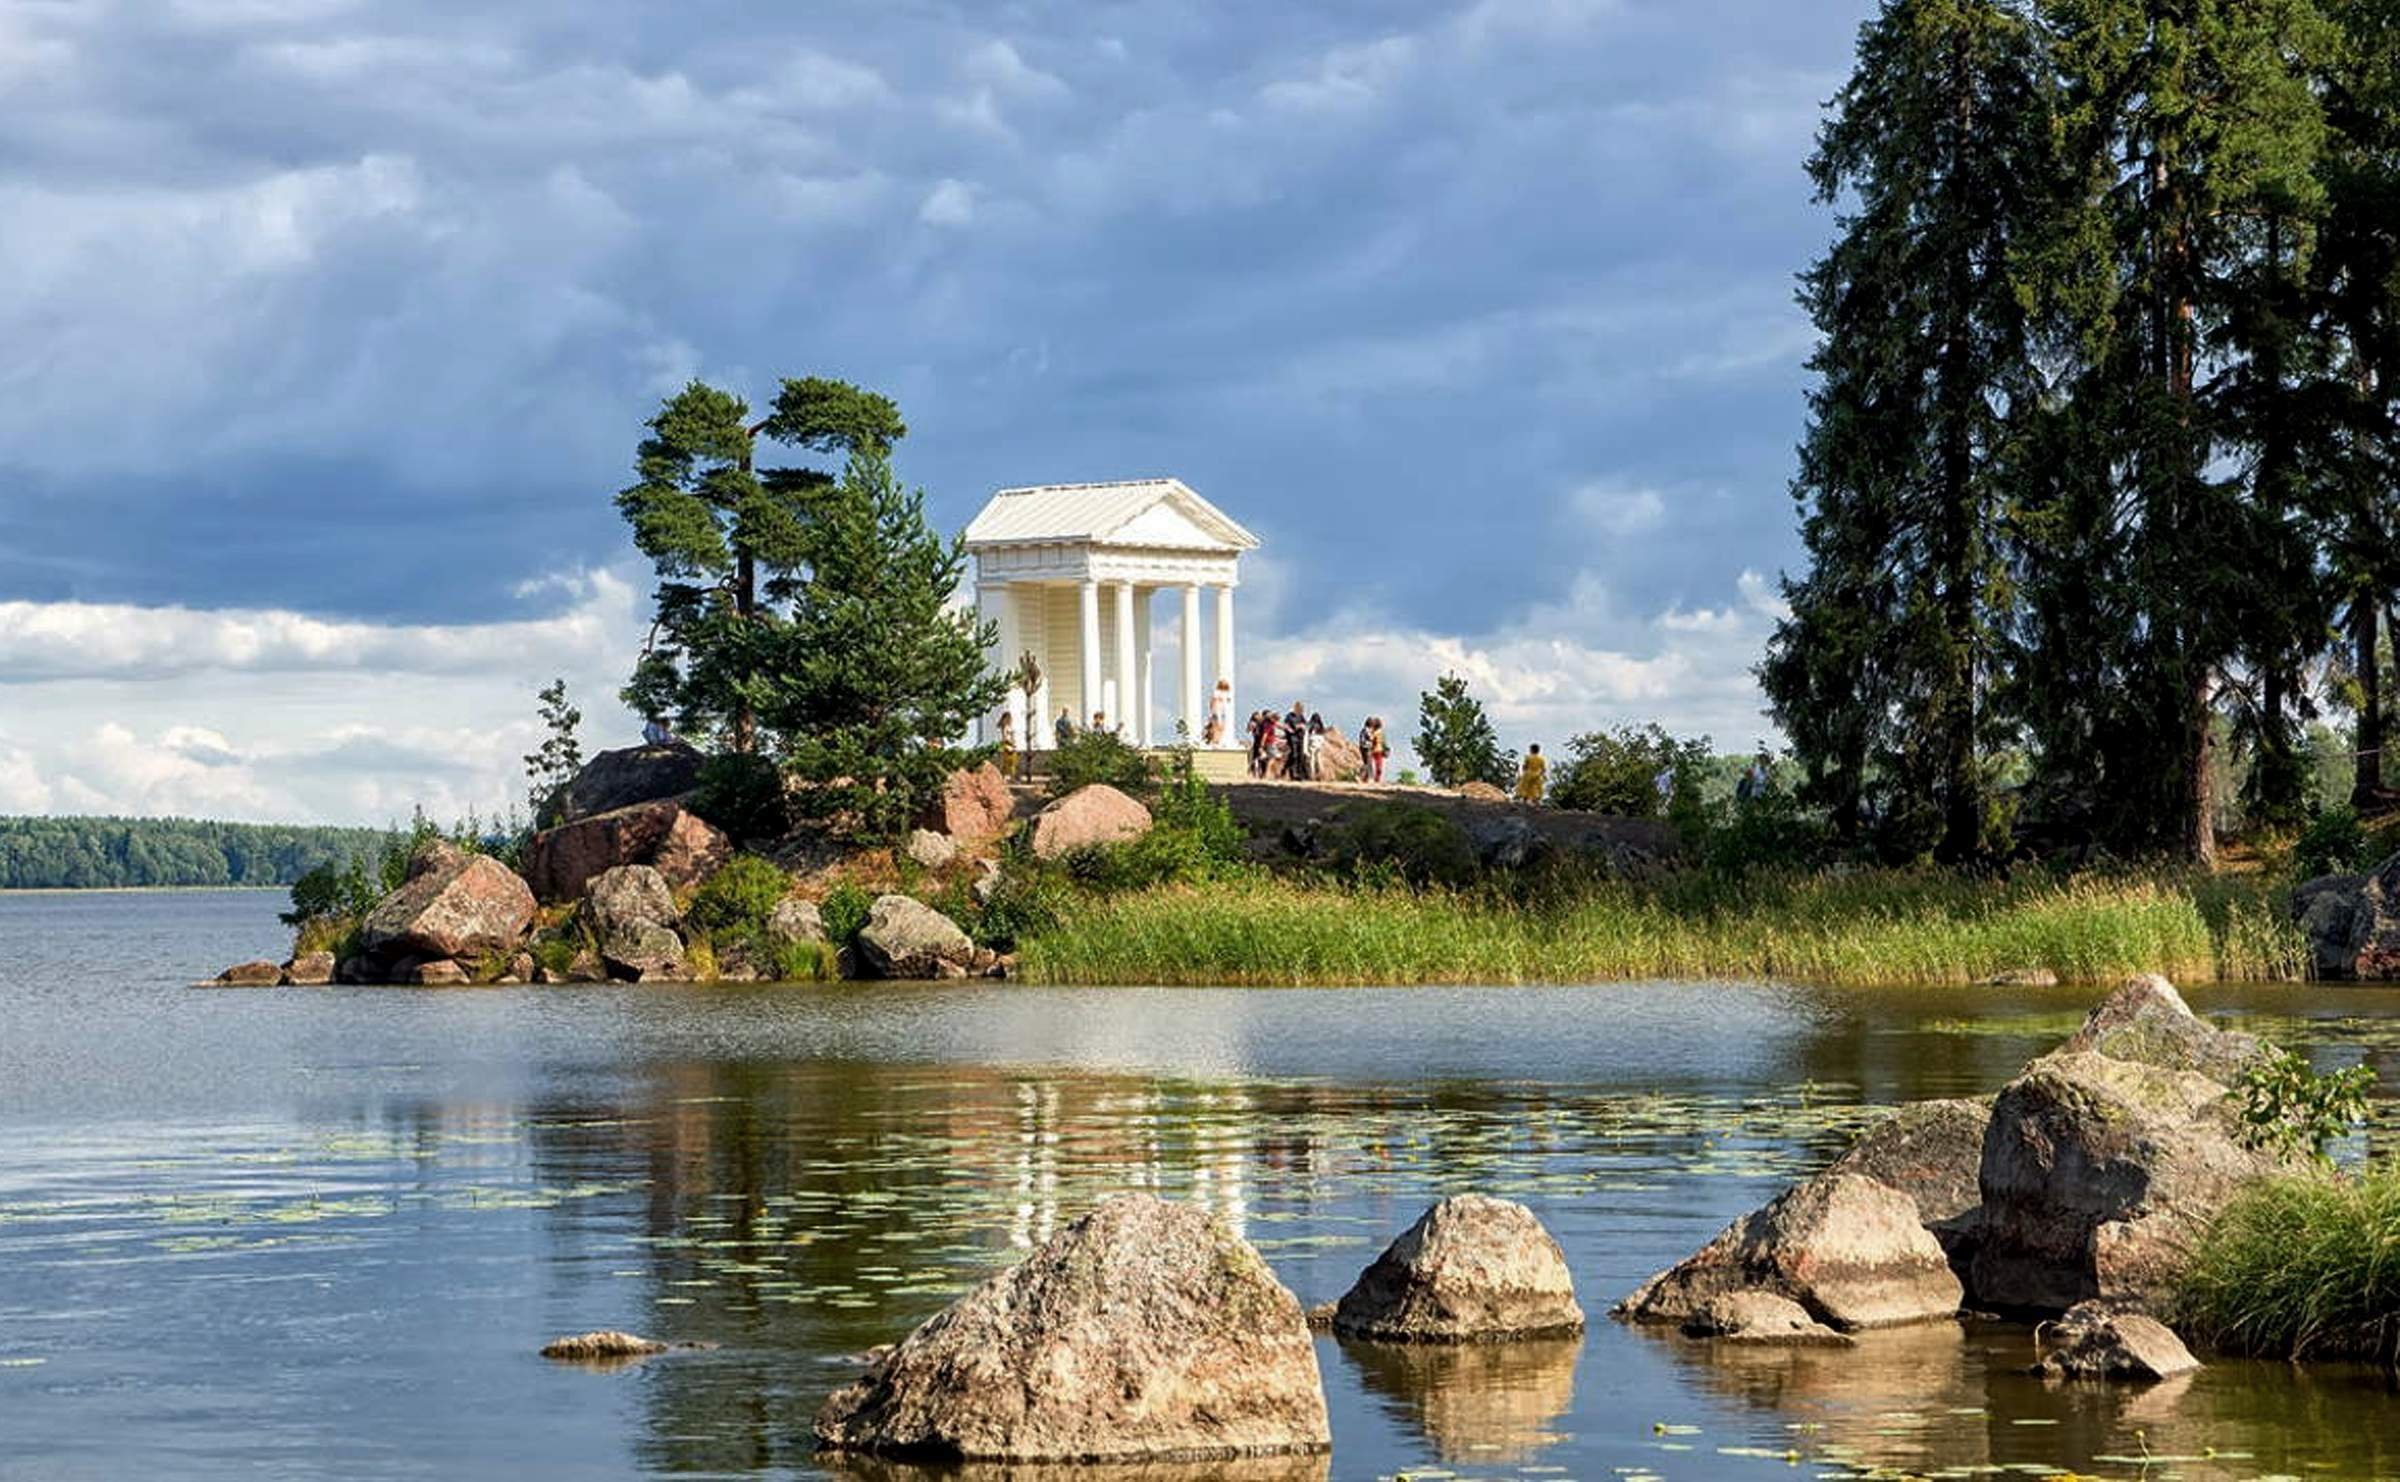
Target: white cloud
1615, 510
950, 203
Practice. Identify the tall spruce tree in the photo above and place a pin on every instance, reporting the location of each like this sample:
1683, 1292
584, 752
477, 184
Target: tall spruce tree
1937, 144
1455, 739
2186, 123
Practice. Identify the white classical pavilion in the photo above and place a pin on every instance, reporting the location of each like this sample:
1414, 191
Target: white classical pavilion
1069, 573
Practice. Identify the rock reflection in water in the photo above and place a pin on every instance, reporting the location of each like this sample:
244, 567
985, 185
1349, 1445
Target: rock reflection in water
1479, 1402
1237, 1469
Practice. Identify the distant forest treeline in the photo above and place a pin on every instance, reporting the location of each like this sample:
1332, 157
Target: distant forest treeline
93, 853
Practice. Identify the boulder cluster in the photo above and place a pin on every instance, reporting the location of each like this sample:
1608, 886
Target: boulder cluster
1151, 1331
2081, 1189
2352, 923
624, 849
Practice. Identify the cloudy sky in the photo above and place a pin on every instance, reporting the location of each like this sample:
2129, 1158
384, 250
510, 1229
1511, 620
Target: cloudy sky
328, 327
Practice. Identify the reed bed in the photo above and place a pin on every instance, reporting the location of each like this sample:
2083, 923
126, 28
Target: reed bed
1892, 929
2305, 1267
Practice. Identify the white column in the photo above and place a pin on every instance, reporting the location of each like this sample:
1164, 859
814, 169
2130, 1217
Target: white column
1121, 714
1195, 711
1090, 699
1225, 656
1017, 703
1145, 674
992, 606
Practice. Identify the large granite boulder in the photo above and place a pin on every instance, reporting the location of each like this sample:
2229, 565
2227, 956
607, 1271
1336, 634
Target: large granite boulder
1338, 759
905, 938
1850, 1250
2098, 1177
2097, 1340
930, 850
259, 974
1470, 1269
632, 914
668, 837
309, 970
794, 921
1098, 814
454, 905
1144, 1329
2146, 1021
636, 774
1931, 1151
974, 805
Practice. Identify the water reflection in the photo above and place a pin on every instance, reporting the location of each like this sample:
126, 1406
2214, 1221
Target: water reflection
1475, 1402
1239, 1469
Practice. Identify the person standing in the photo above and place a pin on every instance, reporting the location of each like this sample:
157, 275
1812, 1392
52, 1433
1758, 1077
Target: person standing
1316, 745
1063, 728
1007, 757
1295, 743
1220, 712
1373, 748
1533, 778
1262, 741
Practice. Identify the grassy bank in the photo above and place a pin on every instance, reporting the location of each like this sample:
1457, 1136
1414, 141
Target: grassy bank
2304, 1267
1872, 928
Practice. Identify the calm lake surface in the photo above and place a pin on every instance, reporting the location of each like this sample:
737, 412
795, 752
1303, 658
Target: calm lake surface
311, 1232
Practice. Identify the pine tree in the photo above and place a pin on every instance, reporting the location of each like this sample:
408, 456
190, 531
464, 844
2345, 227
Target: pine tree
1937, 145
554, 764
877, 670
730, 543
1455, 739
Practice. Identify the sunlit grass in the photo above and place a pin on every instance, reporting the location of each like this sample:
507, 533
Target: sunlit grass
2304, 1267
1867, 928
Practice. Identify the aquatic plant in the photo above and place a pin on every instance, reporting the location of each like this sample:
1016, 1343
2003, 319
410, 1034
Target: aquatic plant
2306, 1266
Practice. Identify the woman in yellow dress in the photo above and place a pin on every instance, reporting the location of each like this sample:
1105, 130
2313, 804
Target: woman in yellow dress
1536, 772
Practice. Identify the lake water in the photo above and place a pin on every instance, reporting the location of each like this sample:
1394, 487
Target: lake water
311, 1232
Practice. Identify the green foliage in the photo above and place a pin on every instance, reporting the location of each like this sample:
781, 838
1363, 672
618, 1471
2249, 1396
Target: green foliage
555, 953
1414, 844
2333, 843
844, 911
735, 902
1187, 805
877, 669
1099, 756
744, 795
333, 891
2288, 1109
2301, 1268
96, 853
1616, 772
554, 764
730, 544
1455, 739
804, 962
1773, 831
1026, 901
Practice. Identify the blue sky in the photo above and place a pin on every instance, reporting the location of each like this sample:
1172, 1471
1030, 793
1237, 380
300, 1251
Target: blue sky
329, 327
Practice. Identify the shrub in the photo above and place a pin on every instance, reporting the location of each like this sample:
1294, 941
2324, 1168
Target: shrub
845, 910
1424, 847
331, 892
737, 900
2334, 842
804, 962
1188, 805
743, 795
2289, 1109
2301, 1267
1616, 772
555, 953
1026, 901
1098, 756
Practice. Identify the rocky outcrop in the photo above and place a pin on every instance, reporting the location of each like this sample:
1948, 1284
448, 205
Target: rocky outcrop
1482, 792
309, 970
2022, 977
973, 806
1849, 1250
794, 921
1338, 760
1505, 841
1761, 1318
1143, 1330
454, 906
678, 843
931, 850
1471, 1269
1932, 1151
636, 774
2106, 1159
905, 938
2098, 1341
260, 974
632, 914
2098, 1176
441, 972
1098, 814
606, 1344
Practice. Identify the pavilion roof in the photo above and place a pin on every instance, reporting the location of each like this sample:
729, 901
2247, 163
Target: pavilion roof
1133, 512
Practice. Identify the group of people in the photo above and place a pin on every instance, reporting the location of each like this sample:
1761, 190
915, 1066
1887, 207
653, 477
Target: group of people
1292, 745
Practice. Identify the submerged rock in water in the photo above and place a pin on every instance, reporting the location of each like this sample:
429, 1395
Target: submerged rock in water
1850, 1250
604, 1344
2022, 977
1760, 1317
261, 974
1143, 1330
2097, 1341
1470, 1269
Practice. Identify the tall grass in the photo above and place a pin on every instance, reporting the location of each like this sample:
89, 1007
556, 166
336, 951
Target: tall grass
2304, 1267
1873, 928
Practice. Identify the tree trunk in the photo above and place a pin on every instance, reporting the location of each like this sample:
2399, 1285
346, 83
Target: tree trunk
1962, 805
2368, 785
745, 606
2202, 838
